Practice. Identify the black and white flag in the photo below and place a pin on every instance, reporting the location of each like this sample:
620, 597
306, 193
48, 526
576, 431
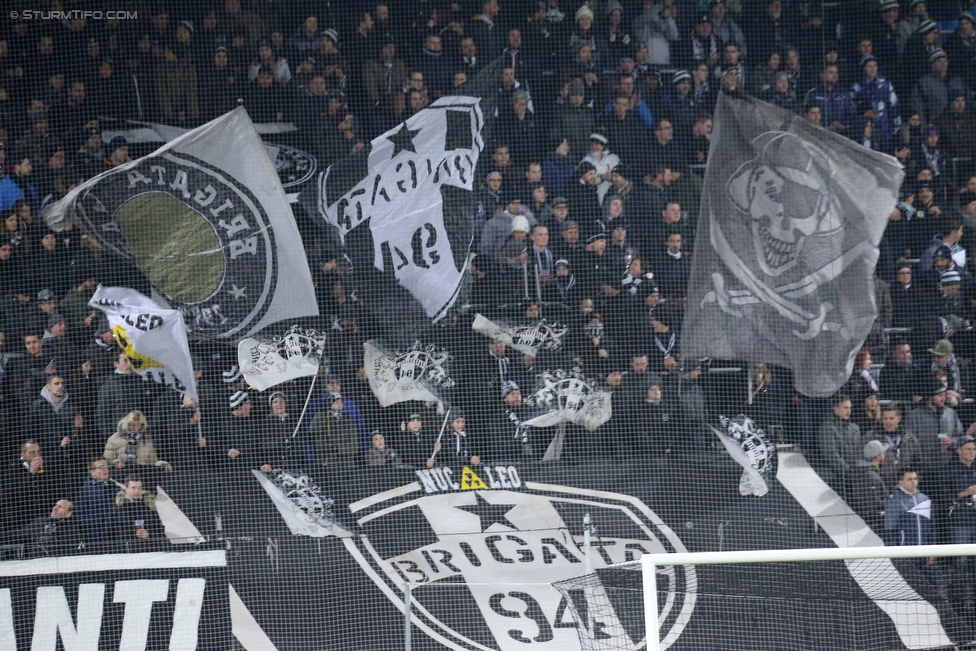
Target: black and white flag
421, 372
152, 338
791, 219
527, 338
269, 361
205, 218
563, 396
404, 213
746, 443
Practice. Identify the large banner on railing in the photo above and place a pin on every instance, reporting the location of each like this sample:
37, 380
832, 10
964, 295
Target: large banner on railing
152, 600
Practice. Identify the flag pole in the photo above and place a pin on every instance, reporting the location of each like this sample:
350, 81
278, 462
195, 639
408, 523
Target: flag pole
443, 427
305, 406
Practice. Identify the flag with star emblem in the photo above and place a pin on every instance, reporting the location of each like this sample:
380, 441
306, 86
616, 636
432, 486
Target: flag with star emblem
154, 339
403, 210
206, 220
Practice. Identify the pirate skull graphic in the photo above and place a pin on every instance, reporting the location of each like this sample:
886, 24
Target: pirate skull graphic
783, 193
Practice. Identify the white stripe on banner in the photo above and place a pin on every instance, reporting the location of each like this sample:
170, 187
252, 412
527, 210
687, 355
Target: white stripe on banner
877, 577
179, 530
114, 563
245, 628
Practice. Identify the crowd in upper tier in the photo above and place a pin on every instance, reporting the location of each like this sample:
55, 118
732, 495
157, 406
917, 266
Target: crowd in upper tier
588, 192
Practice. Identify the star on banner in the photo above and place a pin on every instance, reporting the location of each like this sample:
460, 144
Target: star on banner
490, 513
403, 140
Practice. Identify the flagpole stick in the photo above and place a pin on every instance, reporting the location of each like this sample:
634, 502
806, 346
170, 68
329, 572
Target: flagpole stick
443, 427
305, 406
538, 285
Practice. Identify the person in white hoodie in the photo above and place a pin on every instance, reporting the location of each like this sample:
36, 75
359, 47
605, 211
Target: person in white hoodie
604, 161
656, 29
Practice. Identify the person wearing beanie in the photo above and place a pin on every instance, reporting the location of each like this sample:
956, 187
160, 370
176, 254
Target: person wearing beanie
930, 95
866, 491
582, 196
417, 442
498, 229
957, 127
334, 437
460, 446
875, 91
960, 46
914, 22
279, 444
604, 162
585, 36
917, 52
574, 120
513, 259
379, 452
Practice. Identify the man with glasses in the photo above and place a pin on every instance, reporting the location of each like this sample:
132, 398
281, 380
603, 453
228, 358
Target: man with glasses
95, 502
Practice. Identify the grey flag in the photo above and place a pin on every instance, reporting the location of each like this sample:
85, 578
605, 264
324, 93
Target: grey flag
791, 219
206, 219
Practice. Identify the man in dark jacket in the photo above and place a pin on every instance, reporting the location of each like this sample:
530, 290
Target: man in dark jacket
135, 517
581, 195
960, 491
122, 392
838, 439
908, 518
27, 487
898, 377
866, 492
56, 533
95, 502
904, 450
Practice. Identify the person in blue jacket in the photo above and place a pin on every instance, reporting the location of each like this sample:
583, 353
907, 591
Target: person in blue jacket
836, 106
908, 519
17, 185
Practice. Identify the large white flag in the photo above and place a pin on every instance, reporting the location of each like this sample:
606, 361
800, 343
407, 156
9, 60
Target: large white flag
269, 361
154, 339
205, 218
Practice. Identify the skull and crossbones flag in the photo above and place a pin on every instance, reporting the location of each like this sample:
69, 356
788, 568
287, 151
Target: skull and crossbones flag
791, 219
403, 211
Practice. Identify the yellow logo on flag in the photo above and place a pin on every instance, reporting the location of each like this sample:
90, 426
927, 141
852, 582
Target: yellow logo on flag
138, 361
470, 481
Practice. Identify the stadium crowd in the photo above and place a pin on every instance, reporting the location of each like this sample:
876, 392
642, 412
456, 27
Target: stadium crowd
588, 197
